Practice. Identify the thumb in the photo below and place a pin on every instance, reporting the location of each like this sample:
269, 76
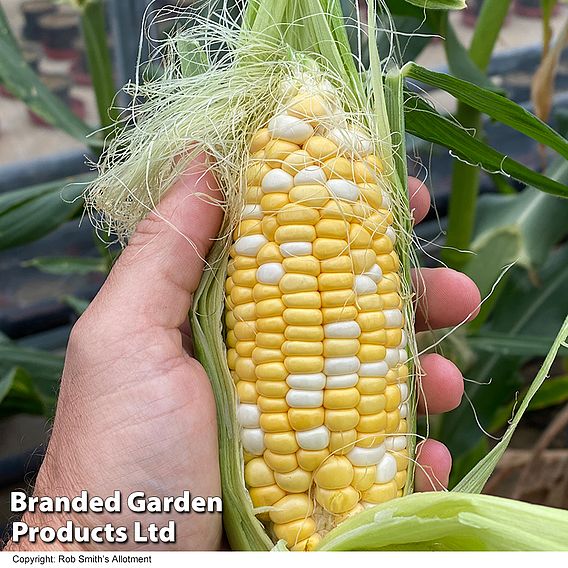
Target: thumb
157, 273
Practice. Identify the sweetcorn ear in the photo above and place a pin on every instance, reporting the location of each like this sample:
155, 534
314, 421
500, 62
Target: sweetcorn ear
315, 322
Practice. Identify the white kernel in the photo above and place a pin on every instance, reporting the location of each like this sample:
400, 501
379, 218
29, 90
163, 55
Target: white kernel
248, 415
402, 355
404, 341
342, 330
366, 456
270, 273
375, 273
343, 189
295, 249
351, 141
393, 318
364, 285
253, 441
250, 245
252, 212
310, 175
386, 469
403, 391
387, 201
403, 409
308, 381
297, 398
277, 181
392, 358
395, 443
390, 233
342, 381
377, 369
341, 365
290, 128
314, 439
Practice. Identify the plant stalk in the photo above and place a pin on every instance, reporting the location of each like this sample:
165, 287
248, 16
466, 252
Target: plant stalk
465, 177
100, 64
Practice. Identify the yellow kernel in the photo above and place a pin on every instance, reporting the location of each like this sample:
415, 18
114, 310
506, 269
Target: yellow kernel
272, 389
253, 195
291, 508
245, 348
276, 151
320, 147
302, 300
375, 162
294, 213
400, 479
258, 474
245, 277
372, 423
270, 308
364, 172
402, 426
273, 202
302, 264
241, 295
382, 244
270, 340
393, 421
255, 173
401, 458
342, 313
392, 392
335, 472
335, 281
230, 319
305, 348
281, 442
332, 228
231, 339
295, 531
274, 421
264, 292
388, 283
364, 477
371, 321
244, 312
337, 500
296, 161
269, 226
369, 353
304, 333
310, 460
340, 420
248, 227
270, 252
342, 442
266, 496
271, 372
340, 347
293, 282
334, 209
370, 303
370, 403
245, 330
312, 195
338, 264
231, 358
380, 492
338, 168
388, 262
244, 368
341, 398
307, 545
392, 377
371, 194
370, 439
309, 106
359, 237
294, 233
303, 316
306, 418
393, 337
303, 365
296, 481
271, 325
363, 260
390, 300
246, 391
329, 248
338, 298
280, 462
259, 140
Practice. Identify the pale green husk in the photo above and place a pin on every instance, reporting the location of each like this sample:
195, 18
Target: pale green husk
206, 102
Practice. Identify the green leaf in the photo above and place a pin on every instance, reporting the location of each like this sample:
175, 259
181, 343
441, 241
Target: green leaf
439, 4
505, 344
6, 32
31, 213
424, 122
439, 521
67, 265
20, 395
496, 106
24, 84
77, 304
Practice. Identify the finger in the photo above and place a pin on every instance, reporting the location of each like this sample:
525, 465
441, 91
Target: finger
161, 267
434, 463
444, 298
441, 385
419, 198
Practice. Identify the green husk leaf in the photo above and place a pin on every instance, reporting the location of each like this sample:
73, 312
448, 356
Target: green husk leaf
439, 4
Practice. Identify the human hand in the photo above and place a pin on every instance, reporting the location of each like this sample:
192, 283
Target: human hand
136, 411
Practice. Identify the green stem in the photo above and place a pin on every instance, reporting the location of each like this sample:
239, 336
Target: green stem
465, 178
100, 65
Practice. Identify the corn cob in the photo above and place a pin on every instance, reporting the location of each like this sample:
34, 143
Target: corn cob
315, 323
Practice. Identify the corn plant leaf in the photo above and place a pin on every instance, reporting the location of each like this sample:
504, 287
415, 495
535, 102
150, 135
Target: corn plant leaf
504, 344
476, 479
424, 122
78, 305
439, 4
6, 32
451, 522
20, 395
67, 265
30, 213
496, 106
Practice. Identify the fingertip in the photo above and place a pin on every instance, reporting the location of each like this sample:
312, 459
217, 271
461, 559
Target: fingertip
419, 198
434, 463
441, 385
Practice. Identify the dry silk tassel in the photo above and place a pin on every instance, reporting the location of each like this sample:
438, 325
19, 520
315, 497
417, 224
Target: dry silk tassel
303, 319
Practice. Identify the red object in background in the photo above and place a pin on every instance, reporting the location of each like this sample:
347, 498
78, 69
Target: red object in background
532, 9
